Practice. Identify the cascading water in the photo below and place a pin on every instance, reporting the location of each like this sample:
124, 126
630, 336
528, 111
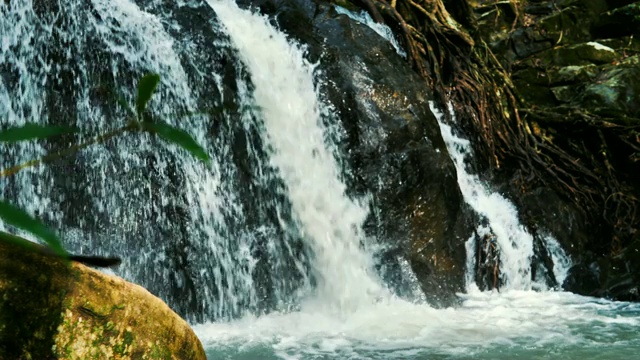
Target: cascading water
285, 93
182, 228
263, 247
514, 244
380, 29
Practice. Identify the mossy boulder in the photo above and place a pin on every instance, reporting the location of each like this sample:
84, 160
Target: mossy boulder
52, 309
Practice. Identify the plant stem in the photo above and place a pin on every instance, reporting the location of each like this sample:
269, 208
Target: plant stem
69, 151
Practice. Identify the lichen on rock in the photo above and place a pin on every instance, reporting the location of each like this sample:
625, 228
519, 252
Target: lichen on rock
52, 309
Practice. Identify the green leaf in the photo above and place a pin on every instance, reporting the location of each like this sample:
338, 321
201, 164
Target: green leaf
20, 219
123, 103
178, 137
30, 131
146, 87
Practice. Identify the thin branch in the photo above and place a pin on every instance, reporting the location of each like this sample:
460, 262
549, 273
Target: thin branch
68, 151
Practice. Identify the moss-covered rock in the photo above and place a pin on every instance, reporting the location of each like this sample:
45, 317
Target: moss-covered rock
576, 64
616, 91
51, 309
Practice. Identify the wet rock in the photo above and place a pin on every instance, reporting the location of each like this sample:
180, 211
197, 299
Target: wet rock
544, 211
621, 21
572, 74
54, 310
583, 279
579, 54
393, 144
620, 279
615, 91
528, 41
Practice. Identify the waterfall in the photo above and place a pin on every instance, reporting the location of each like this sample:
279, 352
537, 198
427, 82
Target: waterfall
288, 103
267, 226
213, 241
381, 29
513, 241
262, 250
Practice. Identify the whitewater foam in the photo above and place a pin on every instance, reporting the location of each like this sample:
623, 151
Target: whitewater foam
330, 221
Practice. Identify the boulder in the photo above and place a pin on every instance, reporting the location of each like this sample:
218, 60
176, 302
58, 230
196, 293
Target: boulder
53, 309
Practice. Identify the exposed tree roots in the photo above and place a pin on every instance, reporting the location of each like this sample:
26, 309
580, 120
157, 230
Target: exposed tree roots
463, 71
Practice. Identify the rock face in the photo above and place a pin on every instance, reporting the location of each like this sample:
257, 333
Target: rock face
576, 64
393, 144
53, 310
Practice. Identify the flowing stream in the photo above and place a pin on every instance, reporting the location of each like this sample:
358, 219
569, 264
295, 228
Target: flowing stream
270, 260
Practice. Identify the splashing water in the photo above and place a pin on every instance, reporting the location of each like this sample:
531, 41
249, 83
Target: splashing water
179, 226
286, 96
485, 326
328, 302
514, 242
363, 17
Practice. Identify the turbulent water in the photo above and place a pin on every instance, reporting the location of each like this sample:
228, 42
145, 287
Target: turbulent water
487, 325
515, 324
274, 263
513, 241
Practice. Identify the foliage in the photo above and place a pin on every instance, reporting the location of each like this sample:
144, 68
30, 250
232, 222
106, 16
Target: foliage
140, 121
31, 131
444, 45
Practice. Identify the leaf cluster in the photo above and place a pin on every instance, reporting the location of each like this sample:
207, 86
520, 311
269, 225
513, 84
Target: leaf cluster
141, 121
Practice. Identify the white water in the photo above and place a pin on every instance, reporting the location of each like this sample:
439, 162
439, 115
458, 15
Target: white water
381, 326
349, 316
514, 242
20, 100
330, 221
382, 30
131, 181
400, 330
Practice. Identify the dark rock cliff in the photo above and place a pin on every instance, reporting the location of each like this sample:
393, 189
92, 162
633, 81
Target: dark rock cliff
393, 144
575, 66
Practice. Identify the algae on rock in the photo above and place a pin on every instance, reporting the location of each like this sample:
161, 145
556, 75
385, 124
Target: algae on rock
51, 309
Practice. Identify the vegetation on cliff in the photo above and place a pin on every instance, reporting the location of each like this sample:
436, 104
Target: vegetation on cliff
547, 88
52, 308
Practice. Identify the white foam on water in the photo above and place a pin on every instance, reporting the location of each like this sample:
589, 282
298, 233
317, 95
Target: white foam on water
483, 320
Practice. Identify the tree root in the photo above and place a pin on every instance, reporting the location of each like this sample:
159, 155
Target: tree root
463, 71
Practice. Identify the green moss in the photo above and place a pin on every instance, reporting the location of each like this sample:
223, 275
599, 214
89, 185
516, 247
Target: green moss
31, 311
160, 353
110, 326
124, 347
